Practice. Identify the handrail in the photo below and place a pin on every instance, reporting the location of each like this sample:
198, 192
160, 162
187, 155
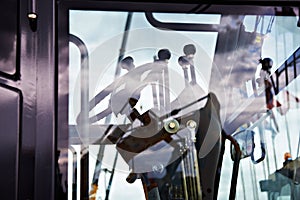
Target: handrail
289, 62
235, 169
263, 154
180, 26
84, 95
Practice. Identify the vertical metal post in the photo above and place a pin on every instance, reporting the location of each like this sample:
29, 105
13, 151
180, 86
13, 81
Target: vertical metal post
111, 177
274, 152
235, 169
74, 171
288, 133
124, 42
255, 182
83, 124
243, 184
295, 65
84, 175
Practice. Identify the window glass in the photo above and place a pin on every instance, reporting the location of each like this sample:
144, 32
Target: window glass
149, 106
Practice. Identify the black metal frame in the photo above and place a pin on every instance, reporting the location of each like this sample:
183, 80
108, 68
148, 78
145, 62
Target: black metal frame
17, 74
62, 23
19, 138
196, 2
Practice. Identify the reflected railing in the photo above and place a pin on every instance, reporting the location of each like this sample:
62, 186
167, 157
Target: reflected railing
287, 72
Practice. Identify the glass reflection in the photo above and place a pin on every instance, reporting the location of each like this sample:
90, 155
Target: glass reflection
154, 111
